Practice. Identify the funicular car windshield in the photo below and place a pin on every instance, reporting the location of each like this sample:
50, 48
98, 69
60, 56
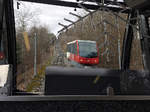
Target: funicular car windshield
87, 49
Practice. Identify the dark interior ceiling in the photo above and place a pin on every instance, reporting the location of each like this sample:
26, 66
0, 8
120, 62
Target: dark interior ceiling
76, 4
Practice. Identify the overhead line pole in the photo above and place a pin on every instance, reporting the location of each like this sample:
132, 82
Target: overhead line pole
35, 54
80, 18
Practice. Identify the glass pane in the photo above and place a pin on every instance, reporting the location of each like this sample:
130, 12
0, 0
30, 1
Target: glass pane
44, 39
88, 49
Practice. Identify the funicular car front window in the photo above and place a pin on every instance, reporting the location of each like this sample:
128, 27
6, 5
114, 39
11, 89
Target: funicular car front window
87, 49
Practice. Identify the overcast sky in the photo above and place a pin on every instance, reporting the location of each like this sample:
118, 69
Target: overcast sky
51, 15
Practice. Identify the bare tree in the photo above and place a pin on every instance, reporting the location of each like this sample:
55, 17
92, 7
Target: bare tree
25, 17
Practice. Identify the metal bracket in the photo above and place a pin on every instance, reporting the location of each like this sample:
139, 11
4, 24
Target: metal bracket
127, 42
145, 41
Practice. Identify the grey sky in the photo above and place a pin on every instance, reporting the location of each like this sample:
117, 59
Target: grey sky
50, 14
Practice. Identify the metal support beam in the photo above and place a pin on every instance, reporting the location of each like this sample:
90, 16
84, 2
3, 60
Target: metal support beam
80, 18
145, 41
127, 42
75, 15
11, 38
111, 2
80, 5
75, 5
62, 25
1, 18
69, 20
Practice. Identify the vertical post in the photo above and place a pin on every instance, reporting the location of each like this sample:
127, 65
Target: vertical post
119, 37
35, 54
11, 39
1, 18
145, 41
127, 42
119, 53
